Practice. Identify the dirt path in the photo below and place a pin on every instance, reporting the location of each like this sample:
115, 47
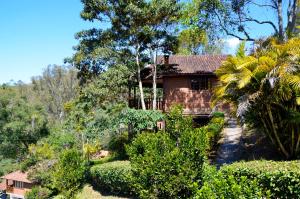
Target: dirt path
230, 150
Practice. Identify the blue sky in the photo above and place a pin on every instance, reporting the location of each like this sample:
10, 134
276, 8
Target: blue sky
36, 33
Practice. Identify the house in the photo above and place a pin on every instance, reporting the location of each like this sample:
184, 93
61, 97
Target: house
185, 80
15, 185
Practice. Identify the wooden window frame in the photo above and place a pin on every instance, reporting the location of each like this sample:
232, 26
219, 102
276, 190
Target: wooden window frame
18, 184
200, 83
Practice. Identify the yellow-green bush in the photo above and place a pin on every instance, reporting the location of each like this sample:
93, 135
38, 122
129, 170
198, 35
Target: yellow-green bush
214, 127
166, 168
219, 185
112, 177
281, 179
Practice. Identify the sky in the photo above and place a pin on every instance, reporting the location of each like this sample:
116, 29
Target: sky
37, 33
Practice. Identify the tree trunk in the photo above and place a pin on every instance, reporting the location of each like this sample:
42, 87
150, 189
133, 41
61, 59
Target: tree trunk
280, 20
292, 16
293, 141
276, 133
154, 80
298, 141
139, 79
267, 130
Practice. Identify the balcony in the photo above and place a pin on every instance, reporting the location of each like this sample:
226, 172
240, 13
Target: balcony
136, 104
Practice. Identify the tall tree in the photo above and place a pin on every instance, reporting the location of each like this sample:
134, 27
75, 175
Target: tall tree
233, 17
136, 27
55, 87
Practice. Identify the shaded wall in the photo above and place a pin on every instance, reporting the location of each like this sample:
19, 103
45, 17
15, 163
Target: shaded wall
177, 90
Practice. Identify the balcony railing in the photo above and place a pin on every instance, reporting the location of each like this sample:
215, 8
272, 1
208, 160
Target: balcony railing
136, 103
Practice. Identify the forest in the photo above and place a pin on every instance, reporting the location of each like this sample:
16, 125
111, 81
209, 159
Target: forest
73, 131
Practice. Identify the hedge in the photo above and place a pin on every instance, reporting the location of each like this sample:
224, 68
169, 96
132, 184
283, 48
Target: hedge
112, 177
218, 185
281, 179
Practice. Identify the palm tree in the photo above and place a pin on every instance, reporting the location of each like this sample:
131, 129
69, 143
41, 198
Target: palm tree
264, 88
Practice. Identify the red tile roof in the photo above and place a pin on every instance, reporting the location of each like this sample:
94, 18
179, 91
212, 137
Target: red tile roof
190, 64
17, 176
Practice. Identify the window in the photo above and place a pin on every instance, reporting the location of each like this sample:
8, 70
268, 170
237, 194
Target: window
18, 184
195, 84
201, 83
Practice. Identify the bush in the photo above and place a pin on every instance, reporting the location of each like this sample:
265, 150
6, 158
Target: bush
166, 168
281, 179
176, 122
38, 193
112, 177
69, 173
218, 114
117, 145
217, 185
109, 158
214, 127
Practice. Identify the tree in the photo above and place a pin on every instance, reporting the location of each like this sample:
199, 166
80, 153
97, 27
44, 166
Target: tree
91, 115
21, 123
233, 17
54, 88
264, 89
136, 27
69, 173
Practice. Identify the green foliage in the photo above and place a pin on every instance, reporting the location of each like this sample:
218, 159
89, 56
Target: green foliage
112, 177
61, 139
218, 114
214, 128
38, 193
54, 88
140, 119
176, 123
164, 168
218, 185
69, 173
42, 173
191, 40
263, 89
7, 166
280, 179
132, 32
93, 115
117, 145
21, 123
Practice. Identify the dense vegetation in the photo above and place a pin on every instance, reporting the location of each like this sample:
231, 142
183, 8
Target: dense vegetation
264, 89
56, 126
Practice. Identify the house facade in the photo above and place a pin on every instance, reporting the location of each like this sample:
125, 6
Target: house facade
185, 80
15, 185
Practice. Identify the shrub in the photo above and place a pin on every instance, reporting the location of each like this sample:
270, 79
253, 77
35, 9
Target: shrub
166, 168
218, 114
176, 123
140, 120
69, 172
38, 193
281, 179
112, 177
41, 173
117, 145
109, 158
214, 127
218, 185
